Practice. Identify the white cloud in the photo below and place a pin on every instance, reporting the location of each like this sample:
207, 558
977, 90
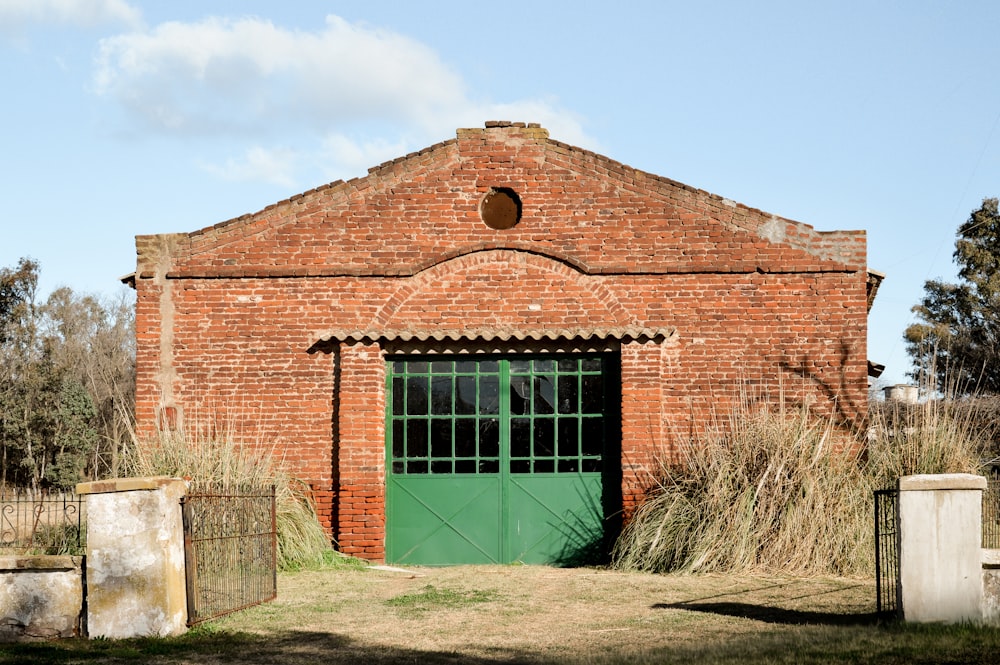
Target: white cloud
83, 13
344, 157
329, 92
221, 75
275, 166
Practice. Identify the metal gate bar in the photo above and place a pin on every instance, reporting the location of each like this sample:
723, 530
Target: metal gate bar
991, 511
887, 553
42, 523
230, 550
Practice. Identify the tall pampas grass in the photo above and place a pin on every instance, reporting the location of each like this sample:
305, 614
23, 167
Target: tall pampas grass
214, 458
774, 488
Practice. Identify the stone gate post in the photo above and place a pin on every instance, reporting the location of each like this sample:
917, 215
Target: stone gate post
135, 557
940, 560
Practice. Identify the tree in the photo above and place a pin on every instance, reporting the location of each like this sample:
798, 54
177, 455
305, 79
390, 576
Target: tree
66, 382
17, 295
956, 341
18, 311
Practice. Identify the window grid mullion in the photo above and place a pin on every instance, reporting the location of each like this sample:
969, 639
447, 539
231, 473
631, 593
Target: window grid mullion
562, 449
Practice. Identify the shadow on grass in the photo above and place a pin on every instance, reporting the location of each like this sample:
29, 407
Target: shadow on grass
219, 648
776, 615
898, 644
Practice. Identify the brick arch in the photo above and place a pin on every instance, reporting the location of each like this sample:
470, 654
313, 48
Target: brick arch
555, 254
502, 288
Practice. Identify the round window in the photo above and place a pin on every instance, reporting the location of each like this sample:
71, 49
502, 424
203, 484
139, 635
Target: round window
500, 208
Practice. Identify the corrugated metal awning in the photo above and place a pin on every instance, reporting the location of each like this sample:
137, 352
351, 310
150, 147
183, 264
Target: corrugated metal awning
496, 334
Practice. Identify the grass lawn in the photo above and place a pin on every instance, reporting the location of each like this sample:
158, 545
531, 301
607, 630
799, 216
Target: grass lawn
534, 614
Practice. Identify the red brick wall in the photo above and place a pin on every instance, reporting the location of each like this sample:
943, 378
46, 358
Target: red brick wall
279, 321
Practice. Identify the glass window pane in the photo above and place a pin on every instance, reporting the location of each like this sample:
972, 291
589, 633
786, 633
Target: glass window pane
489, 466
441, 395
489, 437
520, 437
489, 395
591, 364
592, 394
545, 394
441, 466
520, 466
465, 398
465, 437
569, 445
545, 466
465, 466
441, 366
568, 465
592, 436
416, 466
416, 395
416, 438
465, 366
398, 467
398, 396
591, 465
520, 366
547, 365
567, 364
520, 395
489, 366
545, 435
416, 366
398, 438
441, 438
568, 387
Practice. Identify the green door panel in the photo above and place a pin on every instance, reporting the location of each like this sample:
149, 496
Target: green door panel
443, 520
554, 519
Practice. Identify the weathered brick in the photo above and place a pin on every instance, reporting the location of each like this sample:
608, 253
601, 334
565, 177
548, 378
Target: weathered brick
278, 322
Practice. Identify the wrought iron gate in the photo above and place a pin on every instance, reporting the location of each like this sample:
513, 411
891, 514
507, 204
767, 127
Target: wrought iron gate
230, 550
887, 552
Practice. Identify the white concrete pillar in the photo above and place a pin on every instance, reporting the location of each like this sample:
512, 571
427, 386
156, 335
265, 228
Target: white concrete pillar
940, 532
135, 557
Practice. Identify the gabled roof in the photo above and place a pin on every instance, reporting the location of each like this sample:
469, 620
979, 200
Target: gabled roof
578, 207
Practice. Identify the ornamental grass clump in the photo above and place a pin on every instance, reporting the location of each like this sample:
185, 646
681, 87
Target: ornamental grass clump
215, 460
774, 488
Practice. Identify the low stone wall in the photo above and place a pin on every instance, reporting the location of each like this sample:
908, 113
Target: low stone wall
41, 597
991, 586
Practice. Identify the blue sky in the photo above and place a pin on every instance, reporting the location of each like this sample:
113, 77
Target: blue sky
134, 117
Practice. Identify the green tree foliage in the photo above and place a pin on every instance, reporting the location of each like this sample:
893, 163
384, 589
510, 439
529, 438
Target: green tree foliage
956, 341
66, 382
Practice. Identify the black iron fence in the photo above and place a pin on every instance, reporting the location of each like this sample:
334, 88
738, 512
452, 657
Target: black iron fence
887, 553
230, 550
42, 523
991, 511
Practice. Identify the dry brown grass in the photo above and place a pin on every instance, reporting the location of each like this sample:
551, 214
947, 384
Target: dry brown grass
216, 457
541, 614
774, 488
502, 615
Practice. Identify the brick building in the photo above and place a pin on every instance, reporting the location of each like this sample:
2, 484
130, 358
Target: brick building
480, 351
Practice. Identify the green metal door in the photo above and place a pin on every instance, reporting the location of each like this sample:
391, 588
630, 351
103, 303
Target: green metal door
499, 459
